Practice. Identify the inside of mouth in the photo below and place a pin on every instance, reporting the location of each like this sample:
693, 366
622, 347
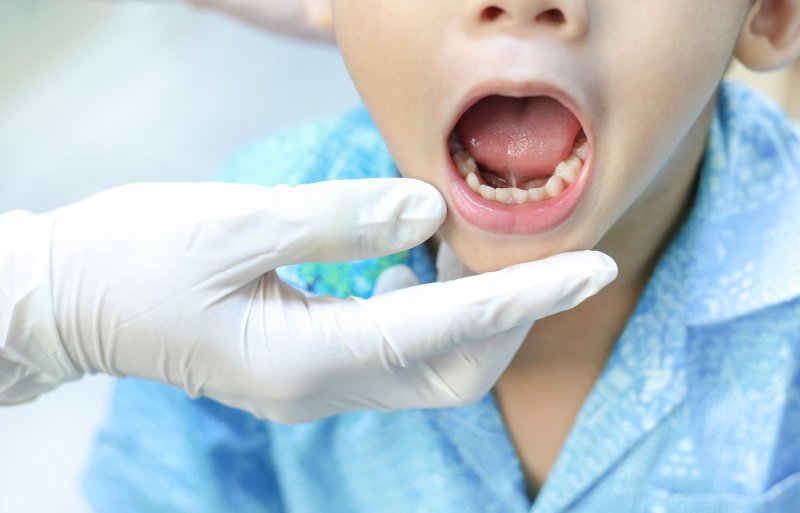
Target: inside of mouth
519, 150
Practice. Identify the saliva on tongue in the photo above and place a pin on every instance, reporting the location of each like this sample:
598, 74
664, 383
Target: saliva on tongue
518, 142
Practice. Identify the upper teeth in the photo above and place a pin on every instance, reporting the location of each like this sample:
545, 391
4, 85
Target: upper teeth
565, 174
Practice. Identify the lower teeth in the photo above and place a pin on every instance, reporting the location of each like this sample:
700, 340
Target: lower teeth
564, 175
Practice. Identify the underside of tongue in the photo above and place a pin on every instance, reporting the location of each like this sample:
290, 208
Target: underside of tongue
519, 138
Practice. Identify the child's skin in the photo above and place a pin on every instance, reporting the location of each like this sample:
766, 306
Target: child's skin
641, 74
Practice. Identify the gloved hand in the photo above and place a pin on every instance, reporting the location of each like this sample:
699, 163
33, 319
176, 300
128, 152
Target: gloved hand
306, 19
176, 283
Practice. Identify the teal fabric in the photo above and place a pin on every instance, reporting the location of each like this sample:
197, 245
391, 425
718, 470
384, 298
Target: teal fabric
697, 410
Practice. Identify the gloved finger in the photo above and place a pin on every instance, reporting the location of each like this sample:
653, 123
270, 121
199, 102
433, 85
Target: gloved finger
427, 320
355, 219
249, 224
334, 221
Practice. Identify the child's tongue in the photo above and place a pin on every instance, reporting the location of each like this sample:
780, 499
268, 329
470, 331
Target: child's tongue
519, 138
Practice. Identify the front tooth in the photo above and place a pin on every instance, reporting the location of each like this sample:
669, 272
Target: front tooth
502, 195
581, 151
486, 192
554, 186
519, 195
473, 182
465, 163
537, 194
568, 170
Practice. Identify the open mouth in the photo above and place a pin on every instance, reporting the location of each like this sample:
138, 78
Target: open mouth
520, 163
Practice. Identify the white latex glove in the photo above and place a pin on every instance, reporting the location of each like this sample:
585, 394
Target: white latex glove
306, 19
470, 369
176, 283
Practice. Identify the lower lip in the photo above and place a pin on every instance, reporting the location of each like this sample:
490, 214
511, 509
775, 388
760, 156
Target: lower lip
525, 219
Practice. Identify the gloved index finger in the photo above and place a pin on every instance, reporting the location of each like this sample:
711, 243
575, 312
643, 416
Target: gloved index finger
426, 320
352, 219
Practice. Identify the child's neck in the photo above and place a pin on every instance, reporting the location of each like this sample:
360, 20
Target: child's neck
636, 243
564, 354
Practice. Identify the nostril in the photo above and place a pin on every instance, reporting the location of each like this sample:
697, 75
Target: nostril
549, 17
492, 13
552, 17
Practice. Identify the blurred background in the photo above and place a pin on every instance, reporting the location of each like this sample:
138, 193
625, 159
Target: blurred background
97, 94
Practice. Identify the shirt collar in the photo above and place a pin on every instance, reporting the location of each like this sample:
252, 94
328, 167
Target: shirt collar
742, 232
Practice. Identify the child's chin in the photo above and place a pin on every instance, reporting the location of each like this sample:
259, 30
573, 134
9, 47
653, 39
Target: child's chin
484, 258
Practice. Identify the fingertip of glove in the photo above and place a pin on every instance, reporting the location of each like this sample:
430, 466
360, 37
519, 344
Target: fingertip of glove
605, 268
585, 271
418, 212
426, 200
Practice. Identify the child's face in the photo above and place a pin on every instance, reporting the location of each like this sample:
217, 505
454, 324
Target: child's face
635, 78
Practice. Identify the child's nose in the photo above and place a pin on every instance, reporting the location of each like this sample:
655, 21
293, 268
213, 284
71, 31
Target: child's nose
567, 18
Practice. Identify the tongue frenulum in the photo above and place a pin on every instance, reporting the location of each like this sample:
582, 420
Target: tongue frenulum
518, 139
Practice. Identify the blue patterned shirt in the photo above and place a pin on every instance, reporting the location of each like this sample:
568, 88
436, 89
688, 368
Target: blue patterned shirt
697, 409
